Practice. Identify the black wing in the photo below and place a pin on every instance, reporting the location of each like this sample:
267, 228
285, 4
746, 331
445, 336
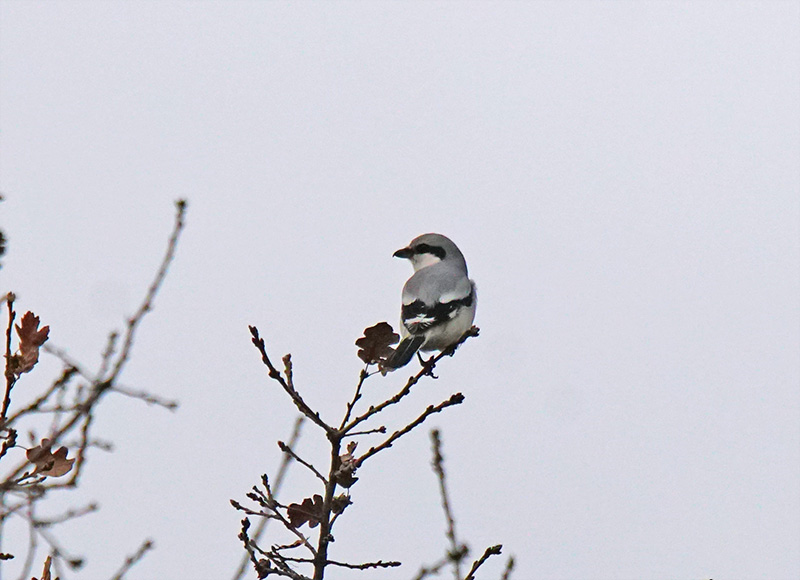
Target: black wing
419, 317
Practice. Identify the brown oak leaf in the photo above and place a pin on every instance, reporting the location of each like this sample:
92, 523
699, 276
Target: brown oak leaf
48, 463
376, 343
31, 337
309, 511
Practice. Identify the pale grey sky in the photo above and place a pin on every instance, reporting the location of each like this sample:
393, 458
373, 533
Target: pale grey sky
624, 181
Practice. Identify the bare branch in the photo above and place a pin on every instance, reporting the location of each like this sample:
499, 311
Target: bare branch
66, 516
432, 570
282, 470
381, 429
288, 450
457, 551
147, 304
363, 376
509, 568
10, 376
148, 398
426, 370
366, 566
289, 388
108, 355
57, 385
456, 399
132, 560
490, 551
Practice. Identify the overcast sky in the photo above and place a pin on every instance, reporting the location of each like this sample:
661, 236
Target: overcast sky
622, 177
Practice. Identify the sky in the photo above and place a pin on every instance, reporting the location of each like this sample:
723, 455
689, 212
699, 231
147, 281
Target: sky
622, 178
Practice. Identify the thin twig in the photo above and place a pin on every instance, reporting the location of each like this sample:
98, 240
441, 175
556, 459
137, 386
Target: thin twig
381, 429
279, 479
490, 551
108, 354
10, 376
509, 568
426, 370
147, 305
289, 388
131, 561
363, 376
431, 570
59, 383
288, 450
367, 565
456, 399
66, 516
149, 398
457, 551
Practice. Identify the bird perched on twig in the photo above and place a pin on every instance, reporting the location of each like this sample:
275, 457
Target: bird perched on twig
438, 300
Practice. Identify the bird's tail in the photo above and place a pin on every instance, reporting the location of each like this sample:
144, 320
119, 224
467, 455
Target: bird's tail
404, 351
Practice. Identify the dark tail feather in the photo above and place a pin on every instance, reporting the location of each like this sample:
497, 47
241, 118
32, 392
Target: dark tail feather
404, 351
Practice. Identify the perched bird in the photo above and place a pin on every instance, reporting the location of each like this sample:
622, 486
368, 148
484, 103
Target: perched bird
438, 300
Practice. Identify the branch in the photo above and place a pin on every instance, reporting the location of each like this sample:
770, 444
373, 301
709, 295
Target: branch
361, 378
147, 305
457, 551
282, 470
366, 566
263, 567
490, 551
288, 450
130, 561
287, 386
10, 376
431, 570
509, 568
66, 516
456, 399
148, 398
100, 387
426, 370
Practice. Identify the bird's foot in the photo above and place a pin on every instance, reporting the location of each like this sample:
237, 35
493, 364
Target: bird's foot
428, 365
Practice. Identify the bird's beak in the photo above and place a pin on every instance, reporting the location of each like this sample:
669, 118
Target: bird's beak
404, 253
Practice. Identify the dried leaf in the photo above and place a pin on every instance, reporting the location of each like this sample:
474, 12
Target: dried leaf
31, 337
309, 511
48, 463
376, 343
345, 474
340, 502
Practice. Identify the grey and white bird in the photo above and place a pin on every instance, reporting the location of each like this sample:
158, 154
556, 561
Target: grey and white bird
439, 299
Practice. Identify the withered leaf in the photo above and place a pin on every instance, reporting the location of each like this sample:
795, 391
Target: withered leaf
31, 337
48, 463
340, 502
376, 343
309, 511
345, 474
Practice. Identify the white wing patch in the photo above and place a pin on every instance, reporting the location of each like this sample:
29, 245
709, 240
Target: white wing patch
461, 291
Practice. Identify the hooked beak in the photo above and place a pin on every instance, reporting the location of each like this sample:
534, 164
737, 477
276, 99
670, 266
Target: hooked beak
404, 253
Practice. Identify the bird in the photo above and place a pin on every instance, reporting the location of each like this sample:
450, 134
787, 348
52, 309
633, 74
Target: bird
438, 301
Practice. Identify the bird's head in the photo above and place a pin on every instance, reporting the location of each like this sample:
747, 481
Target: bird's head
429, 249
